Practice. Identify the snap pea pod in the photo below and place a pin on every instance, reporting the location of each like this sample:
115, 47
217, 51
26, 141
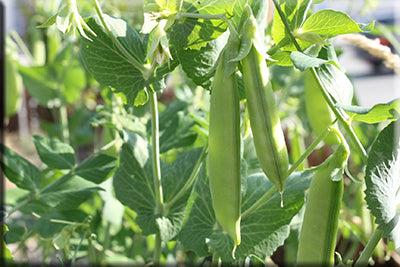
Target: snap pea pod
263, 112
320, 223
224, 147
318, 112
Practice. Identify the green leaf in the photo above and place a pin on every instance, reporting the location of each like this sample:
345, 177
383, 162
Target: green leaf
134, 185
175, 177
106, 62
382, 179
96, 168
67, 192
303, 61
329, 23
41, 84
198, 64
262, 231
170, 5
378, 113
195, 33
54, 153
19, 171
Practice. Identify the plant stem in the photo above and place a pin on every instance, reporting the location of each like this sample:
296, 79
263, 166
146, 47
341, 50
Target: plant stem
259, 202
369, 248
157, 250
123, 50
156, 170
156, 153
309, 150
191, 179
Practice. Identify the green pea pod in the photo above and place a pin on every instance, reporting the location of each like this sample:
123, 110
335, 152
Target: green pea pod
264, 118
224, 149
320, 223
318, 112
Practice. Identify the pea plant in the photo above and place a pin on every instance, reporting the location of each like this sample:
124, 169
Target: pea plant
262, 153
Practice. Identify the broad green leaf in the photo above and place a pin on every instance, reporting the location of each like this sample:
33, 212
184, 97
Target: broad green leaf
96, 168
170, 5
382, 179
262, 231
65, 74
303, 61
174, 178
54, 153
196, 33
281, 58
19, 171
378, 113
134, 187
199, 64
329, 23
41, 84
107, 63
67, 192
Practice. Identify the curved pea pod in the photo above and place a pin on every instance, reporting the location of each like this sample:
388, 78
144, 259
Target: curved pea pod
224, 151
320, 223
318, 112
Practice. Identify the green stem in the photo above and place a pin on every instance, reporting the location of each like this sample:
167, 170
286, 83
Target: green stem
157, 251
191, 179
309, 150
259, 202
369, 248
156, 153
123, 50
